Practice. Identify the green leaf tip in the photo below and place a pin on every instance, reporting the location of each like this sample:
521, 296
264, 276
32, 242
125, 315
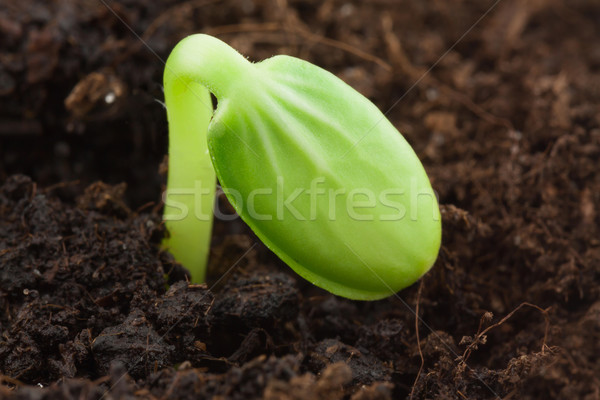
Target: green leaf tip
316, 170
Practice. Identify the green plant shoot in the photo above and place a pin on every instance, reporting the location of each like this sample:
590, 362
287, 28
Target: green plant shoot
312, 166
188, 210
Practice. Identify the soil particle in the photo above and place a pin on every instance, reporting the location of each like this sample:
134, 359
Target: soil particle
182, 310
265, 300
386, 340
135, 344
365, 367
329, 385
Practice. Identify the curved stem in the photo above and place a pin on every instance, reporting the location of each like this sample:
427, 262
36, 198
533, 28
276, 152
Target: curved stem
197, 65
208, 61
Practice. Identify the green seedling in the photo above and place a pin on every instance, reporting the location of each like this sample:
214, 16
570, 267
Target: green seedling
312, 166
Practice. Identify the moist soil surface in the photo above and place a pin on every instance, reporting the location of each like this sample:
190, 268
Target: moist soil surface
501, 103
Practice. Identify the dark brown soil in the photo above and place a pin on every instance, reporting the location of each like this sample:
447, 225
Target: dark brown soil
507, 124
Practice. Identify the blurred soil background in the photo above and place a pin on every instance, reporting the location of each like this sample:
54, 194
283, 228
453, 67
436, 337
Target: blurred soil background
501, 101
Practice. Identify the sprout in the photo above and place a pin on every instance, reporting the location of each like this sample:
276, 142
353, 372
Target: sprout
312, 166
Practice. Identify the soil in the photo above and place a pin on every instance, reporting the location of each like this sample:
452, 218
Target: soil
504, 114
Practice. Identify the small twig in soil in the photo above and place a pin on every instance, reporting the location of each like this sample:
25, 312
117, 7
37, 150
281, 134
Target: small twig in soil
275, 26
480, 336
461, 394
418, 339
101, 380
12, 381
145, 393
474, 108
61, 185
144, 207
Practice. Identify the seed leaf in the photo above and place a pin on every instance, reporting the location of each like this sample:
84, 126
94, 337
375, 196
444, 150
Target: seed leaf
323, 178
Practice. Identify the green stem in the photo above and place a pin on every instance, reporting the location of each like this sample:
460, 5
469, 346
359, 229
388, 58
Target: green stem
197, 65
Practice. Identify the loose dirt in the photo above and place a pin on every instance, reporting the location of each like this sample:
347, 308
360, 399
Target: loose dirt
505, 117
